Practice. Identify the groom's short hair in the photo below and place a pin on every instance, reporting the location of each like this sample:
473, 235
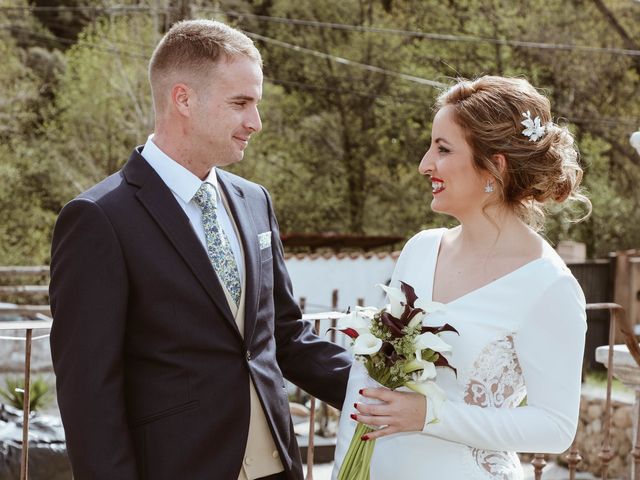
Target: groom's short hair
191, 50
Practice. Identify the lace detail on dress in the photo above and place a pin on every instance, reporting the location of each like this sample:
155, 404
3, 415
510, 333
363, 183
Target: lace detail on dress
496, 381
496, 465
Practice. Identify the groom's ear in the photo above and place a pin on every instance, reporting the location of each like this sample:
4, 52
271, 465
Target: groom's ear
181, 98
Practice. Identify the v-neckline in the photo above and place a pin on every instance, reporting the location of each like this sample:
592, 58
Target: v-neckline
482, 287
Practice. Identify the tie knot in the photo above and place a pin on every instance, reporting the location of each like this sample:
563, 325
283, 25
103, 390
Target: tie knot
206, 196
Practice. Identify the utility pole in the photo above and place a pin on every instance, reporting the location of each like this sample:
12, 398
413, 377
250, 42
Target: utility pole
185, 10
170, 12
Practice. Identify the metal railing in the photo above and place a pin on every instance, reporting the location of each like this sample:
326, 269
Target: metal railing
39, 321
35, 317
316, 318
618, 322
38, 317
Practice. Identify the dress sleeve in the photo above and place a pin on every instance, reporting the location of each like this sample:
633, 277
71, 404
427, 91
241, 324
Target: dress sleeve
549, 346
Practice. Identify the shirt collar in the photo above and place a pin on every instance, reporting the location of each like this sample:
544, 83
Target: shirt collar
181, 181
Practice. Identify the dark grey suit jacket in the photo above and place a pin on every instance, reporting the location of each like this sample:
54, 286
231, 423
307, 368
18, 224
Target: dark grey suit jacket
152, 372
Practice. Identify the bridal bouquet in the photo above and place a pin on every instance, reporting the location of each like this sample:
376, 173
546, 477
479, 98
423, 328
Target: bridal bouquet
397, 351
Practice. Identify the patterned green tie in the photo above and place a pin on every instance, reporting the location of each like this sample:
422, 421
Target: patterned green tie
218, 246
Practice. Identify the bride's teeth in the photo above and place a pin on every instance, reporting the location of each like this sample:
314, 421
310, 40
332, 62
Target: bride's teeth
436, 186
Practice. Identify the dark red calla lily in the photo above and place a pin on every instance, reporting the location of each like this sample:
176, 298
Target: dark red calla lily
409, 293
390, 354
443, 328
443, 362
394, 324
409, 313
347, 331
350, 332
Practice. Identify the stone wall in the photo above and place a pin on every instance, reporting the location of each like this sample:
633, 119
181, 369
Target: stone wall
591, 435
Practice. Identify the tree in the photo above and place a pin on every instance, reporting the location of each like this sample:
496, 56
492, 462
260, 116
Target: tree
348, 139
344, 125
103, 102
371, 130
25, 218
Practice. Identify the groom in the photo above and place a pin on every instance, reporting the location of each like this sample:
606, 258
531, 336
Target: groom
174, 321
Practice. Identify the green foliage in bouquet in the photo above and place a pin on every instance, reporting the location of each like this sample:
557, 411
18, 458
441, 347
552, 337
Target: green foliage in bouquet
393, 365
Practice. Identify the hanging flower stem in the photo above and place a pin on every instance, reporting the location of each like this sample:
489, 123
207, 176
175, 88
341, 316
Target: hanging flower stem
357, 461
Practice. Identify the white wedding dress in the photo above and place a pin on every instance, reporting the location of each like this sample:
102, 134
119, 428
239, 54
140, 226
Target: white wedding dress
521, 335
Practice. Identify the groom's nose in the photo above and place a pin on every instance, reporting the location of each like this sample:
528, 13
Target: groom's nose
252, 120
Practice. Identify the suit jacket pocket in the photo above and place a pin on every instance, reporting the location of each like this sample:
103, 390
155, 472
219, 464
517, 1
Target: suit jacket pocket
183, 407
266, 254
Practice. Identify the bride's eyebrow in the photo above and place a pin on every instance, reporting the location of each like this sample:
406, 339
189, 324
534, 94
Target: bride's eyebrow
441, 140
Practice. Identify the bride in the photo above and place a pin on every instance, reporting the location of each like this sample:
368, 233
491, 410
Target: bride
495, 159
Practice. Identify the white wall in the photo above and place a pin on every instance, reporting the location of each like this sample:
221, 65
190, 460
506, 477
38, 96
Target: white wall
354, 276
314, 277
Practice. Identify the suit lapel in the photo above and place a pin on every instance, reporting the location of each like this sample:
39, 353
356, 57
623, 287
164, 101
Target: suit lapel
249, 237
167, 213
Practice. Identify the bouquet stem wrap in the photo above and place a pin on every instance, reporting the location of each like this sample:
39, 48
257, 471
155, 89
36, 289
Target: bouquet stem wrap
357, 461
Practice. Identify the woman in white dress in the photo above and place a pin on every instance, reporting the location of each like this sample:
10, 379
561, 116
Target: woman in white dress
495, 159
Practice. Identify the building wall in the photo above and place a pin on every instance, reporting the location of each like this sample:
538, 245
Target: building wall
314, 277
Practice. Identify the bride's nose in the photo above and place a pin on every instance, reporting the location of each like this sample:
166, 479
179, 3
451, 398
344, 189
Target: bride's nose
426, 165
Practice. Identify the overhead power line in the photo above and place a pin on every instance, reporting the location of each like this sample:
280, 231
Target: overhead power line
629, 121
337, 26
431, 36
310, 86
84, 8
345, 61
67, 41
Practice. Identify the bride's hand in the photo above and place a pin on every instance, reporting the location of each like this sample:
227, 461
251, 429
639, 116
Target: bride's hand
398, 412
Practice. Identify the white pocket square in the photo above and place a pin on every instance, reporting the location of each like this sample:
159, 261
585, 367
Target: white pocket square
264, 239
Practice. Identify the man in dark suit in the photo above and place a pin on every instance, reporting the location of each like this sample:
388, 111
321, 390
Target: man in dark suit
174, 321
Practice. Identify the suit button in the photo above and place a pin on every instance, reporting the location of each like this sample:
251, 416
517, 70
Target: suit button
248, 461
275, 454
248, 355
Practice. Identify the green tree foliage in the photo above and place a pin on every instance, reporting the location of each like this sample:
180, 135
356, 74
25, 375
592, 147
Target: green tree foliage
341, 141
354, 139
102, 106
25, 78
380, 124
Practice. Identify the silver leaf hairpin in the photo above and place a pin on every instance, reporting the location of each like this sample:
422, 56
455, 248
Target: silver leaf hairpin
533, 129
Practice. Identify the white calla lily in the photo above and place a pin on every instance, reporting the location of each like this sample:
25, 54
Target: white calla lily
417, 320
428, 371
396, 300
433, 392
429, 307
432, 342
355, 321
367, 344
367, 312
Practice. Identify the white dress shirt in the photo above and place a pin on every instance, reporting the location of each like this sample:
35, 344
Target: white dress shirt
184, 185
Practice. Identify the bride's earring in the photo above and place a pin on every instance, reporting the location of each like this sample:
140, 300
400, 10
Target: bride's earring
488, 188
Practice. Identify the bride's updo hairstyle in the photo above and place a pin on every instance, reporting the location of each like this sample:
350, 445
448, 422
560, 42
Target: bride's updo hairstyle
539, 168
